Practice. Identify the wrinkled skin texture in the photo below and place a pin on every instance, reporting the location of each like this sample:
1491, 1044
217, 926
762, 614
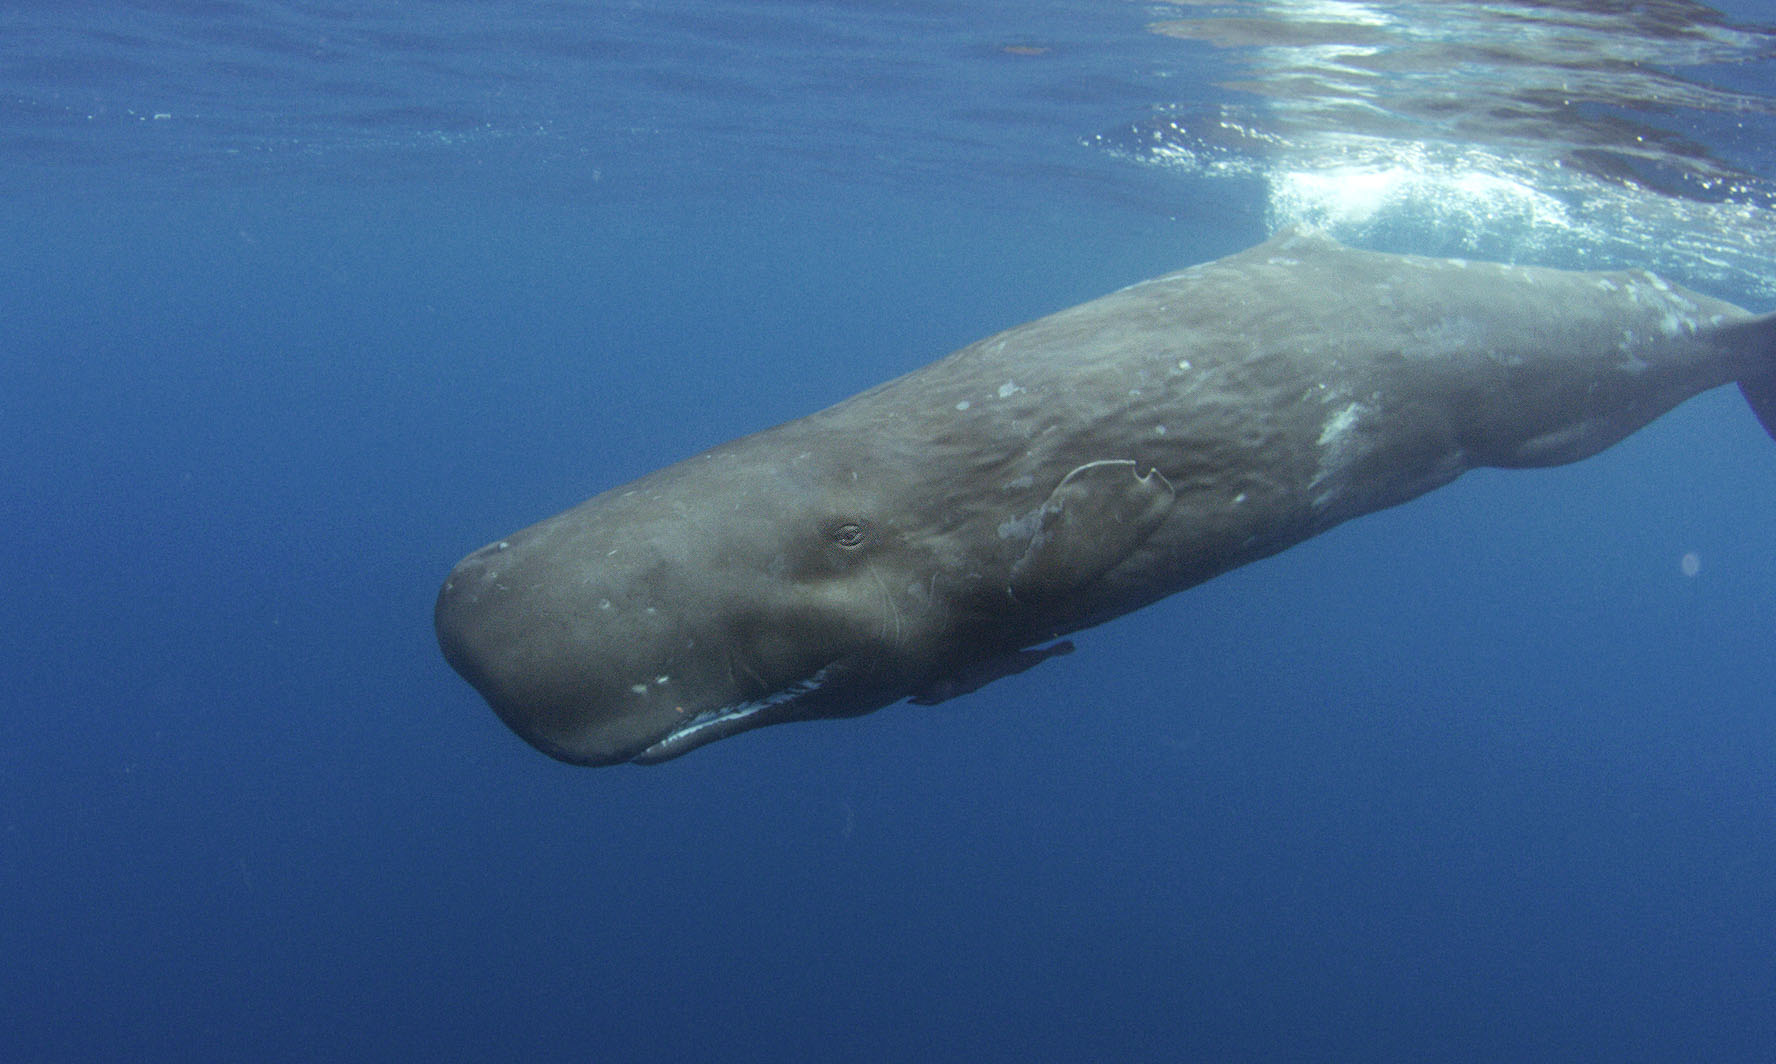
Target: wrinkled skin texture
916, 540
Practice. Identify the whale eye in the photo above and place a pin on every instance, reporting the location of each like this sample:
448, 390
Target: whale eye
849, 535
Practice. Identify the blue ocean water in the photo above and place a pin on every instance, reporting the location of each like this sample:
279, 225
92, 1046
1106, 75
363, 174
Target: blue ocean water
301, 302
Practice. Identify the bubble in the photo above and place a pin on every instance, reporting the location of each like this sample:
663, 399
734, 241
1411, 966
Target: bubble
1690, 563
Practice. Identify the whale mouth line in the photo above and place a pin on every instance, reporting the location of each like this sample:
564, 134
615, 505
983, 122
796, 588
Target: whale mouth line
723, 721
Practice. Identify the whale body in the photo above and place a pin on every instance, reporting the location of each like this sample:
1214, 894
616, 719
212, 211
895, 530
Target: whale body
947, 528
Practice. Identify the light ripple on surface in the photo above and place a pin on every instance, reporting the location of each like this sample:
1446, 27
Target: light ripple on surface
1572, 133
1569, 133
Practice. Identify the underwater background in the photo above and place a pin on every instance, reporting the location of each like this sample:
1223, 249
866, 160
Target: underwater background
302, 300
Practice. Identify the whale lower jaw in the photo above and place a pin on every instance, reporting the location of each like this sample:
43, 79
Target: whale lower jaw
723, 721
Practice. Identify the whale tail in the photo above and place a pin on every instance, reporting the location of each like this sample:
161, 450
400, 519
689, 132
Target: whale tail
1760, 392
1759, 388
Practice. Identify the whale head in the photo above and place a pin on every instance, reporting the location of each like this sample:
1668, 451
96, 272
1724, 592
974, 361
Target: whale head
750, 585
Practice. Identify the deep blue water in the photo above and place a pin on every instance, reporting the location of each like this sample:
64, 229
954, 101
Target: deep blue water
1485, 777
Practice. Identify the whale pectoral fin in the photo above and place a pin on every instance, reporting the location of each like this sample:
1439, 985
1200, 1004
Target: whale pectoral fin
1096, 517
978, 674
